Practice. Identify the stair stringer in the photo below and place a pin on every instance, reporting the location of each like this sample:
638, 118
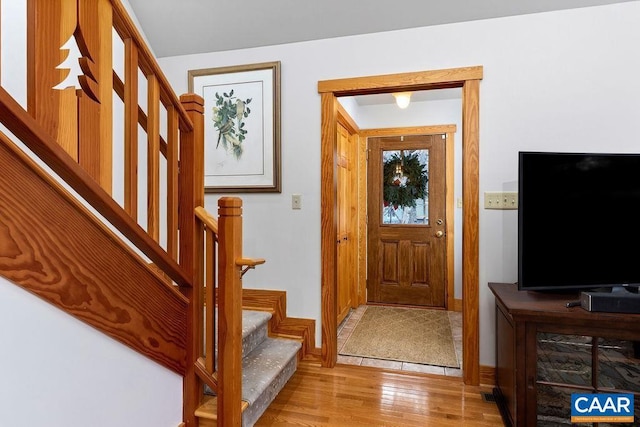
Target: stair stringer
52, 246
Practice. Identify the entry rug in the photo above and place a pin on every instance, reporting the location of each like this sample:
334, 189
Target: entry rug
403, 334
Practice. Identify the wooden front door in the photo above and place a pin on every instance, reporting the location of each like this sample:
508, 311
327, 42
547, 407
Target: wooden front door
406, 240
346, 239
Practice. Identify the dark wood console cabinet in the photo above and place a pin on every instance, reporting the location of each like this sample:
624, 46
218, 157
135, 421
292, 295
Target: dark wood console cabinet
546, 351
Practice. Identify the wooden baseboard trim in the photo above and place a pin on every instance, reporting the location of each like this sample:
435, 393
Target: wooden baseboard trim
457, 305
487, 375
275, 302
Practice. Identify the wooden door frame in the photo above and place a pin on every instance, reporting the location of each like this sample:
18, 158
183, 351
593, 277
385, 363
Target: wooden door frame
468, 79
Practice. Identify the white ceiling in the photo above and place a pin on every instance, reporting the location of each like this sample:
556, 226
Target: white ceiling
180, 27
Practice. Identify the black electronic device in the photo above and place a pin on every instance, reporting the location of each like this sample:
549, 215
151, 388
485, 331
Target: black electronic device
620, 300
578, 221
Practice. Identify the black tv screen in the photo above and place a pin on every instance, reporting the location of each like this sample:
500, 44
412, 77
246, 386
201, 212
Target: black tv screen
578, 220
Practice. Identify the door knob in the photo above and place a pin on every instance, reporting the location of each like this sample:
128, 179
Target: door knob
439, 233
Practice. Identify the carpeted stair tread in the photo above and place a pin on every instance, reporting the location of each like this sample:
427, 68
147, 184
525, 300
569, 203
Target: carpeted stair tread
254, 329
254, 332
263, 364
267, 365
265, 371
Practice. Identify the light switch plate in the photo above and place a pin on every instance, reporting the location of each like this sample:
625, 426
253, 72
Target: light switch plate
296, 201
500, 200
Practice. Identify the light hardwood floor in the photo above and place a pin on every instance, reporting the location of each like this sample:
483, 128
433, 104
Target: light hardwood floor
363, 396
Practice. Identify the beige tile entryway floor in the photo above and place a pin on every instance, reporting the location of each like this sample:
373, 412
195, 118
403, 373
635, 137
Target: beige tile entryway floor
346, 328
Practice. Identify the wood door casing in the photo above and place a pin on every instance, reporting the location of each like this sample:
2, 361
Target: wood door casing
407, 262
467, 78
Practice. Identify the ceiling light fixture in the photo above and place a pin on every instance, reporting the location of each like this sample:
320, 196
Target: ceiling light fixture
402, 99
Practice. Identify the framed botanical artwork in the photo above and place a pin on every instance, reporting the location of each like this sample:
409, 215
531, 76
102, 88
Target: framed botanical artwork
241, 127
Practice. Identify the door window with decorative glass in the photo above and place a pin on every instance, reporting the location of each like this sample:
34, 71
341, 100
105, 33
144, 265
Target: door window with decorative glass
405, 187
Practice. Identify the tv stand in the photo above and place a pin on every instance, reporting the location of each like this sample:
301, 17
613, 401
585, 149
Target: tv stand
546, 351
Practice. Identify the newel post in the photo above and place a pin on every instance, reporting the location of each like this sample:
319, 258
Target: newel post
191, 195
229, 312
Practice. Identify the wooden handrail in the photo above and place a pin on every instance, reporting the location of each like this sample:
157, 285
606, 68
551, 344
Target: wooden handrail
249, 262
208, 220
24, 127
127, 29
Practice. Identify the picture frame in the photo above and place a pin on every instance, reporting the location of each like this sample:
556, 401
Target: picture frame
241, 127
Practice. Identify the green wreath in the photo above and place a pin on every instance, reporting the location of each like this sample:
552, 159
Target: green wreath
400, 192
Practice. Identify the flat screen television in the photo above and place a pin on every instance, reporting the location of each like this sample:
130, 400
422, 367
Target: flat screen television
578, 221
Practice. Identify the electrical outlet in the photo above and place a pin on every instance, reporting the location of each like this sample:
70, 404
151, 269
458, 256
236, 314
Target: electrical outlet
296, 201
501, 200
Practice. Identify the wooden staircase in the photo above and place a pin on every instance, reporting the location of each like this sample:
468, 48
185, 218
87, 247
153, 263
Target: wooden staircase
65, 238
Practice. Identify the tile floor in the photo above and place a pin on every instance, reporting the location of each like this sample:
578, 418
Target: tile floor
347, 326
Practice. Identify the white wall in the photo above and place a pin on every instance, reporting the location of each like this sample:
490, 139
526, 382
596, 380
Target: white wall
55, 370
553, 81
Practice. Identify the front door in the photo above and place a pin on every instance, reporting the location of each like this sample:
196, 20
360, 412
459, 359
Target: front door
406, 241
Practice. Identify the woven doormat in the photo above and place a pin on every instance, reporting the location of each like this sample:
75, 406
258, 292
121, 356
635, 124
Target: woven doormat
403, 334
